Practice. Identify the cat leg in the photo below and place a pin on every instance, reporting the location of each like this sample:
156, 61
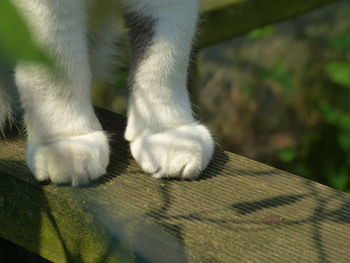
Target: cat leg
165, 138
66, 143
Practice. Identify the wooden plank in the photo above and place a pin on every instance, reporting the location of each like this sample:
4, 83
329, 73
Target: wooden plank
239, 211
211, 5
224, 19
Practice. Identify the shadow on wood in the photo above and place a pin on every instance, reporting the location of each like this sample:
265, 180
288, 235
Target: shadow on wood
238, 210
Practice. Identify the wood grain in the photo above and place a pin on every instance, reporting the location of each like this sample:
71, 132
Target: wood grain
239, 211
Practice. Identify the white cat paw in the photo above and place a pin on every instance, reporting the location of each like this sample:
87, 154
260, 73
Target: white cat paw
74, 160
179, 153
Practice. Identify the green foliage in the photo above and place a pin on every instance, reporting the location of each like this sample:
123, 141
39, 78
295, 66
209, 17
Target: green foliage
340, 41
287, 155
339, 72
280, 74
328, 154
339, 181
335, 116
344, 141
16, 42
261, 32
308, 99
347, 11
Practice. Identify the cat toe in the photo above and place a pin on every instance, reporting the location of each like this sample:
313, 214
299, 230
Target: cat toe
179, 153
75, 160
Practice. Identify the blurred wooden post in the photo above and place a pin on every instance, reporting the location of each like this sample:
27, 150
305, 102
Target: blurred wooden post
224, 19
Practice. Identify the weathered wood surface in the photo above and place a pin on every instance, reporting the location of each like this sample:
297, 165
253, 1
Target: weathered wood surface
224, 19
239, 211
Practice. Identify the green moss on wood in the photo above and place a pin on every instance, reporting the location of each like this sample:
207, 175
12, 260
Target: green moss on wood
232, 214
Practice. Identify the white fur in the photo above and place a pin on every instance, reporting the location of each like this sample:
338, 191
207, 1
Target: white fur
74, 159
165, 139
160, 99
182, 152
65, 140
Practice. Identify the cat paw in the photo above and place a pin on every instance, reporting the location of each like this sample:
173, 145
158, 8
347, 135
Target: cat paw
183, 152
75, 160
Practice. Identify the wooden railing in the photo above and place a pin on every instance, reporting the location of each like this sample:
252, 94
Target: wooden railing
224, 19
239, 211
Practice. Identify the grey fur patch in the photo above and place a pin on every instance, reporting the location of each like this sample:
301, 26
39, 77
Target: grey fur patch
141, 34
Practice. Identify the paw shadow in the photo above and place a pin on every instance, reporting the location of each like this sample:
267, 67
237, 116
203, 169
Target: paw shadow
120, 157
215, 166
213, 169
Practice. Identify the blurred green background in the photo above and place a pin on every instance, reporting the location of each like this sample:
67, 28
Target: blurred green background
278, 94
281, 95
